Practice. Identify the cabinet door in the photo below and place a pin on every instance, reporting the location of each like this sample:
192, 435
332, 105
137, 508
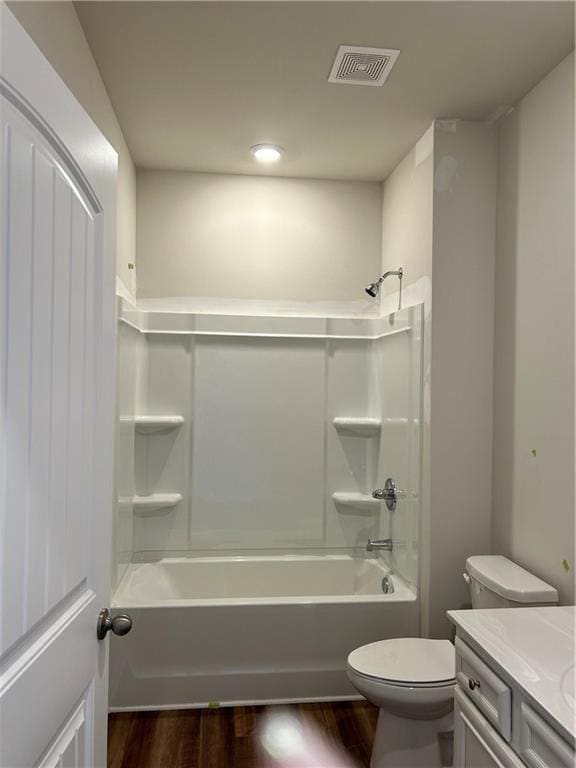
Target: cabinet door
476, 742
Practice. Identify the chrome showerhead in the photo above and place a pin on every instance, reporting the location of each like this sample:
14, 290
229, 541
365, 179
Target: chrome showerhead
373, 289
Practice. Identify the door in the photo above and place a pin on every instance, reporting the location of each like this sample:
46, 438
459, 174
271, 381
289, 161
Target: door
476, 743
57, 389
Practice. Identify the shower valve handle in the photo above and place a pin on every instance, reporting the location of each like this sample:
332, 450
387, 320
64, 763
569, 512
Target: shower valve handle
389, 494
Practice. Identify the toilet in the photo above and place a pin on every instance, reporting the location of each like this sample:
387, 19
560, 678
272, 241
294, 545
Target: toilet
412, 679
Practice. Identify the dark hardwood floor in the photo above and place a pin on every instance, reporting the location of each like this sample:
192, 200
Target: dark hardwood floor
224, 738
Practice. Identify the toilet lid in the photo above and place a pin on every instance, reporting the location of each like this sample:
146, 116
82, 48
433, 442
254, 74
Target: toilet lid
406, 660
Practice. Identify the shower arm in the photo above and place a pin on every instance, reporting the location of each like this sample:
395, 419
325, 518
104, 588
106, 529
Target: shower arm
399, 274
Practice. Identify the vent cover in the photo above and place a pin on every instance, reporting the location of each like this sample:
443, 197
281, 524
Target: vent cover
362, 66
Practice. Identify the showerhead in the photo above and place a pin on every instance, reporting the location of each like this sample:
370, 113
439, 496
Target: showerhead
373, 289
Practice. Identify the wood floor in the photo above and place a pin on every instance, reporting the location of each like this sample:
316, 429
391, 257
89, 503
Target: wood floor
224, 738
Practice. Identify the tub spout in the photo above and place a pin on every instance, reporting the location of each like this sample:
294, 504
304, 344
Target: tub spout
379, 544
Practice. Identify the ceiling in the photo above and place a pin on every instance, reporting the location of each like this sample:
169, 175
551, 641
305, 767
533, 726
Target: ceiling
195, 84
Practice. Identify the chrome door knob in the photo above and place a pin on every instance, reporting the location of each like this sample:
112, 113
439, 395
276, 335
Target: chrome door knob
120, 624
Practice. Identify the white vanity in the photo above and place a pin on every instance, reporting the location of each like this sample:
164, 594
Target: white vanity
514, 698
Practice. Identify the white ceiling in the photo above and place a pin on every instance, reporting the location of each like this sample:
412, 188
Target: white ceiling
195, 84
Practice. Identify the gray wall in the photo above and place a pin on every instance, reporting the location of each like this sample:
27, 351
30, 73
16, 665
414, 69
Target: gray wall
254, 237
56, 30
533, 498
439, 224
465, 166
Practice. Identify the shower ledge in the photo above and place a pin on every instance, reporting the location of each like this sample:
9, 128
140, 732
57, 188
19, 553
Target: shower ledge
356, 500
358, 425
156, 501
147, 425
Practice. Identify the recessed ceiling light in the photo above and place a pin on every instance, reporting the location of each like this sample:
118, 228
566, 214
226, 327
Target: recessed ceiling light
267, 153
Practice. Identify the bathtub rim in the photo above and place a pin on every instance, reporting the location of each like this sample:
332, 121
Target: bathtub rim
404, 591
238, 703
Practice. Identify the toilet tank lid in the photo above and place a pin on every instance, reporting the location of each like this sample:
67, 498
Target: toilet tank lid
509, 580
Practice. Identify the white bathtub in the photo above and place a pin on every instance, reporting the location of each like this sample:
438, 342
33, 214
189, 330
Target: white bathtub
240, 630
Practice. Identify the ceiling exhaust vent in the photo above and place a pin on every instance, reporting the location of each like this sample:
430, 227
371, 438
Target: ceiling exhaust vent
362, 66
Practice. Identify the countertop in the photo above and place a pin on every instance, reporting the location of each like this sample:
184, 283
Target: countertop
534, 649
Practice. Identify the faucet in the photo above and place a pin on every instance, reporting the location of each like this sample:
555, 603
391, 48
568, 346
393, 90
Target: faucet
379, 544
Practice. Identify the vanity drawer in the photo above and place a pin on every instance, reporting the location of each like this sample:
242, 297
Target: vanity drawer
488, 692
540, 745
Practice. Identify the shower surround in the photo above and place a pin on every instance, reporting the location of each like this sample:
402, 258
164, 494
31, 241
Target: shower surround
241, 553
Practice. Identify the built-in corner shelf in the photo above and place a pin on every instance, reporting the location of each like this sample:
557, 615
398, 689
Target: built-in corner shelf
357, 425
147, 425
156, 501
357, 500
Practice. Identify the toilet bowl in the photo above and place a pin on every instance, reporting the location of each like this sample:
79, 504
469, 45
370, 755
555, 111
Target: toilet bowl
412, 681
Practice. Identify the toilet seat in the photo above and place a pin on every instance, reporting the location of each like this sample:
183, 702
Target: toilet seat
395, 684
411, 662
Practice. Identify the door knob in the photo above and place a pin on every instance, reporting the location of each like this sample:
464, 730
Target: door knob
120, 624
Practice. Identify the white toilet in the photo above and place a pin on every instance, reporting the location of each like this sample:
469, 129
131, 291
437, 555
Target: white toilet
412, 679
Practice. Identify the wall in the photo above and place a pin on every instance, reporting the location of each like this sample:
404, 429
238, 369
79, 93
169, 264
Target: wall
56, 30
252, 237
407, 206
407, 226
438, 223
533, 499
465, 176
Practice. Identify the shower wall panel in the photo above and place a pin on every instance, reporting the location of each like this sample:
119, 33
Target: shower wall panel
400, 441
163, 458
258, 457
130, 356
351, 458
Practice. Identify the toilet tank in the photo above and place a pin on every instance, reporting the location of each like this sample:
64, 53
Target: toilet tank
496, 582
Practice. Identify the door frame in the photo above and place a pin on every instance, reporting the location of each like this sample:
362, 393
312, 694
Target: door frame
29, 81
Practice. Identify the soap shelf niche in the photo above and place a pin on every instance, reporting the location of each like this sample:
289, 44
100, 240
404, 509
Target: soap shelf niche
357, 425
361, 501
147, 425
156, 501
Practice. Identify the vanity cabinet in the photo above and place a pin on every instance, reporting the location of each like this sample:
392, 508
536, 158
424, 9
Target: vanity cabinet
495, 725
476, 742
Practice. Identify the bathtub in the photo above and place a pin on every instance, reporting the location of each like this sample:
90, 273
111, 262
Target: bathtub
247, 630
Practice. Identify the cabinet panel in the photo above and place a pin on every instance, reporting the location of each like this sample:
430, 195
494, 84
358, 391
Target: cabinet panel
540, 745
490, 694
476, 743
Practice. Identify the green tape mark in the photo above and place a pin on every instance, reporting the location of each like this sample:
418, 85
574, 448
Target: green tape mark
566, 566
213, 705
533, 451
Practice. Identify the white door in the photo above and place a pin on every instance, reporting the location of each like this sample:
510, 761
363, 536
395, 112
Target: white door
57, 388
